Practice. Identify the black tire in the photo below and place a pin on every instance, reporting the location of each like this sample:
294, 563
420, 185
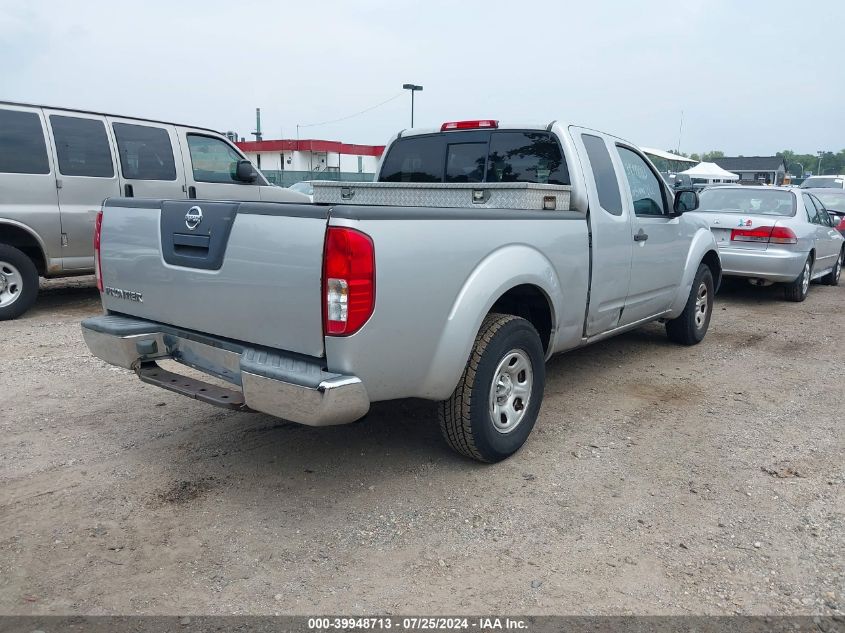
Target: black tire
797, 290
466, 418
691, 326
832, 278
18, 283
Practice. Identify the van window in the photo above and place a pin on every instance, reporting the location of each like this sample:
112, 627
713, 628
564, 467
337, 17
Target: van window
605, 175
526, 157
145, 152
212, 159
22, 146
82, 147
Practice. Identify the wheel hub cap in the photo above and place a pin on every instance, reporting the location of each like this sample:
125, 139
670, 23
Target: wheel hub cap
510, 392
10, 284
701, 306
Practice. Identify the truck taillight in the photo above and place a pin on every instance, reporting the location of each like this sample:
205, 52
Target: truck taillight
349, 281
765, 234
98, 266
469, 125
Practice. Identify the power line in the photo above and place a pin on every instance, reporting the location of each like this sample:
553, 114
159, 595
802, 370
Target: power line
351, 116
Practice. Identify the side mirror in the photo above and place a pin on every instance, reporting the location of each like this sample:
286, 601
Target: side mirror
685, 200
245, 172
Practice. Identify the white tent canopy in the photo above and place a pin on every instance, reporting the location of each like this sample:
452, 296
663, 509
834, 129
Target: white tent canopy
709, 171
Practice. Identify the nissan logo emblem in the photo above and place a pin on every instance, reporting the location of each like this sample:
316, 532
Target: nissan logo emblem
193, 218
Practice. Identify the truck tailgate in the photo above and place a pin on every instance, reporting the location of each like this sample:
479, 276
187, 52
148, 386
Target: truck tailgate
247, 271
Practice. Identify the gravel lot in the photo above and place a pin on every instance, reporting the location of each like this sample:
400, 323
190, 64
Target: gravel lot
659, 480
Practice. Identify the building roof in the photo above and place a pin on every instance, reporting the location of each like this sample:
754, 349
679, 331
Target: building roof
667, 155
310, 145
750, 163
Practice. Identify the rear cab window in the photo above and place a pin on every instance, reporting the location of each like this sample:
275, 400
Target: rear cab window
23, 149
476, 156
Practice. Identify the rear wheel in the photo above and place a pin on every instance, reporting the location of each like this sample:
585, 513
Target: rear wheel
495, 405
691, 326
18, 283
798, 289
832, 278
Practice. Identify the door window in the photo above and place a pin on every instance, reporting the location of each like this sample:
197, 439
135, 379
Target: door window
82, 147
145, 152
604, 174
212, 160
646, 191
812, 212
22, 146
821, 212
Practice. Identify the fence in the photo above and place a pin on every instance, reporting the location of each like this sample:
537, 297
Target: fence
285, 177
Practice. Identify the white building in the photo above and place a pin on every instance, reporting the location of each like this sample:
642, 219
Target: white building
309, 157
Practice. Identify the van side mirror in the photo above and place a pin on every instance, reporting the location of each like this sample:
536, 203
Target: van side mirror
245, 172
685, 200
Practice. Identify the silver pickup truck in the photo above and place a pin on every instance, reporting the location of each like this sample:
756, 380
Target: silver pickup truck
553, 237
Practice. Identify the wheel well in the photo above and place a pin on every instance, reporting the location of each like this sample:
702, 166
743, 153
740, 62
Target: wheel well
25, 242
711, 259
532, 304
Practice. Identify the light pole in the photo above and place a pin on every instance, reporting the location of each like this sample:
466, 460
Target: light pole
820, 153
413, 88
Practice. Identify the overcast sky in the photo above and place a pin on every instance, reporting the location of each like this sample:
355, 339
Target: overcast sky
752, 77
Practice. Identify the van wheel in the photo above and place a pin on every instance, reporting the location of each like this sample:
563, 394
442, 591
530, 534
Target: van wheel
691, 326
832, 278
495, 405
798, 289
18, 283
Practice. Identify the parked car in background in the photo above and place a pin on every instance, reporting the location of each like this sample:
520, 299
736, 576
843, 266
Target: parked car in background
304, 187
58, 165
773, 235
824, 182
481, 251
834, 201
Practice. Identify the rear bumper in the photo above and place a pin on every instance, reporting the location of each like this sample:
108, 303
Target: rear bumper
286, 385
772, 264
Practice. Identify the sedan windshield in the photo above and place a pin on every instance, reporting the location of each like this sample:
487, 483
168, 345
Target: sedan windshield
747, 201
834, 200
823, 183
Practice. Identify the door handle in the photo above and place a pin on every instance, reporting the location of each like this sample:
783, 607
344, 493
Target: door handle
641, 236
192, 192
128, 191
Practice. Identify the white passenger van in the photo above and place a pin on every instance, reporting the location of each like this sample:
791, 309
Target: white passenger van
58, 165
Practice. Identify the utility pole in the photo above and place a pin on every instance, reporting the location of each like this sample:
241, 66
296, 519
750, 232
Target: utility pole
413, 88
820, 153
680, 131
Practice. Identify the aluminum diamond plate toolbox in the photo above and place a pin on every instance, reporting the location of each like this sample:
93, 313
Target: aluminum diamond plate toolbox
500, 195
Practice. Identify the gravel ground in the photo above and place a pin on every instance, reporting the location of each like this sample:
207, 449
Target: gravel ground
659, 480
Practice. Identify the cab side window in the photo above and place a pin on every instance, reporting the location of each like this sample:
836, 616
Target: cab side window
646, 192
145, 152
82, 147
604, 174
212, 160
22, 146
